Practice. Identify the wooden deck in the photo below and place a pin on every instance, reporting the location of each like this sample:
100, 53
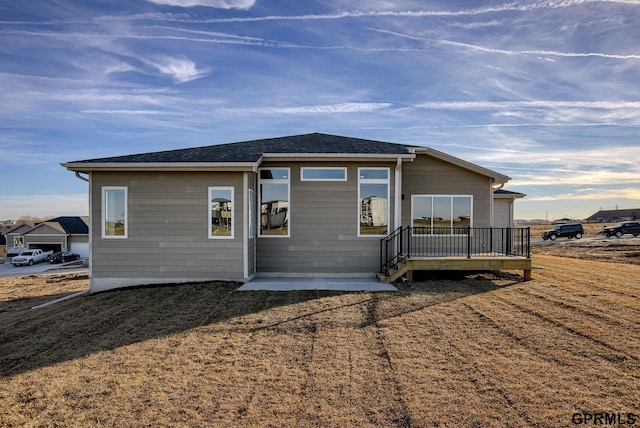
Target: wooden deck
477, 263
409, 249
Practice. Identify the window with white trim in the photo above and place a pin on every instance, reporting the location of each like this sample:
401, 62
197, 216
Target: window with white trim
274, 202
220, 212
308, 173
441, 214
115, 224
18, 241
252, 209
373, 201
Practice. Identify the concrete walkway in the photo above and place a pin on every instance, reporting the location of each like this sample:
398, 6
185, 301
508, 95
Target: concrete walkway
316, 283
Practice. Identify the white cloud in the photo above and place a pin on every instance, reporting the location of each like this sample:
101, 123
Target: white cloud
183, 70
602, 194
579, 178
487, 105
130, 112
315, 109
218, 4
509, 7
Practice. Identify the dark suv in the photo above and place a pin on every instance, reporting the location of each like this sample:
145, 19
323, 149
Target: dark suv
622, 228
574, 230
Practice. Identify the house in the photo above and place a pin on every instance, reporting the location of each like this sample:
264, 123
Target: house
310, 205
3, 246
69, 233
615, 215
15, 239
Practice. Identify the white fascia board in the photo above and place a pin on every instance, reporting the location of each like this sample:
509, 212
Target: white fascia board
166, 166
329, 157
497, 177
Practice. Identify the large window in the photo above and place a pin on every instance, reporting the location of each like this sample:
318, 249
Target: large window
440, 214
373, 201
114, 212
274, 202
221, 212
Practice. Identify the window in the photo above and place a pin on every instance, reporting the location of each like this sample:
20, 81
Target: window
221, 212
18, 241
114, 212
373, 201
436, 214
252, 209
323, 174
274, 202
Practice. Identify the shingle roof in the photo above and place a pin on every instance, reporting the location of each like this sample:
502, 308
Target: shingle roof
615, 214
72, 225
506, 192
251, 151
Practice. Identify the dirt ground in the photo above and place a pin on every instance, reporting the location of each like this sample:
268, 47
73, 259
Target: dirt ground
593, 246
485, 350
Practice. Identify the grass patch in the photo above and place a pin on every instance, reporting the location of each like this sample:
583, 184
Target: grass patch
484, 350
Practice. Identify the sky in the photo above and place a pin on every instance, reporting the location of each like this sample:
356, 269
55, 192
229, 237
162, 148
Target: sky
546, 92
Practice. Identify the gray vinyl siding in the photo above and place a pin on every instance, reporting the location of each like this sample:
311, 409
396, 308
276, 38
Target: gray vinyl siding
168, 215
502, 213
44, 234
45, 229
323, 227
430, 176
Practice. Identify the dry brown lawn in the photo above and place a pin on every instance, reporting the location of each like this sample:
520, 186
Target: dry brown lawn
481, 351
624, 250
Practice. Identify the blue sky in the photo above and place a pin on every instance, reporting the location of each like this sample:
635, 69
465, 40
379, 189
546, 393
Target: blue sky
546, 92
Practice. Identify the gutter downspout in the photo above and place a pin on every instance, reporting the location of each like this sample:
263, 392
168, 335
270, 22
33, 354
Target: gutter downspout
81, 177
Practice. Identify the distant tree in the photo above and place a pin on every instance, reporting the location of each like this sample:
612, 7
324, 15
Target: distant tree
27, 219
33, 219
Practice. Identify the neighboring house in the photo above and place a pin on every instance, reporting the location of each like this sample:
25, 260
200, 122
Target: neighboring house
58, 234
313, 205
15, 239
3, 245
615, 215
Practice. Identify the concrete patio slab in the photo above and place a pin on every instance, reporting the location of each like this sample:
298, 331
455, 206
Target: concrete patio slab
316, 283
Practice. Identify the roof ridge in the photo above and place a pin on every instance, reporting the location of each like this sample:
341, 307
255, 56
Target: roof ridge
250, 151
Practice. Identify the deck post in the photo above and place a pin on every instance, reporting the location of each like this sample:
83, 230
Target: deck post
527, 275
409, 231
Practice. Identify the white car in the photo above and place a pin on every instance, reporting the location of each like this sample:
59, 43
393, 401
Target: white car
30, 257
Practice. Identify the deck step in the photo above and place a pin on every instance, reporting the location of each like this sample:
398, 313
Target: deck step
397, 272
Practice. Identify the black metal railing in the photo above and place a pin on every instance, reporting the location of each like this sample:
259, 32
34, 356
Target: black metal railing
468, 242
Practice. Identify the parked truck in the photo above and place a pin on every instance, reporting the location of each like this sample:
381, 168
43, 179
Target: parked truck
30, 257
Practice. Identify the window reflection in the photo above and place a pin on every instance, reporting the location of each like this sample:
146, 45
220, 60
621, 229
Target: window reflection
221, 212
